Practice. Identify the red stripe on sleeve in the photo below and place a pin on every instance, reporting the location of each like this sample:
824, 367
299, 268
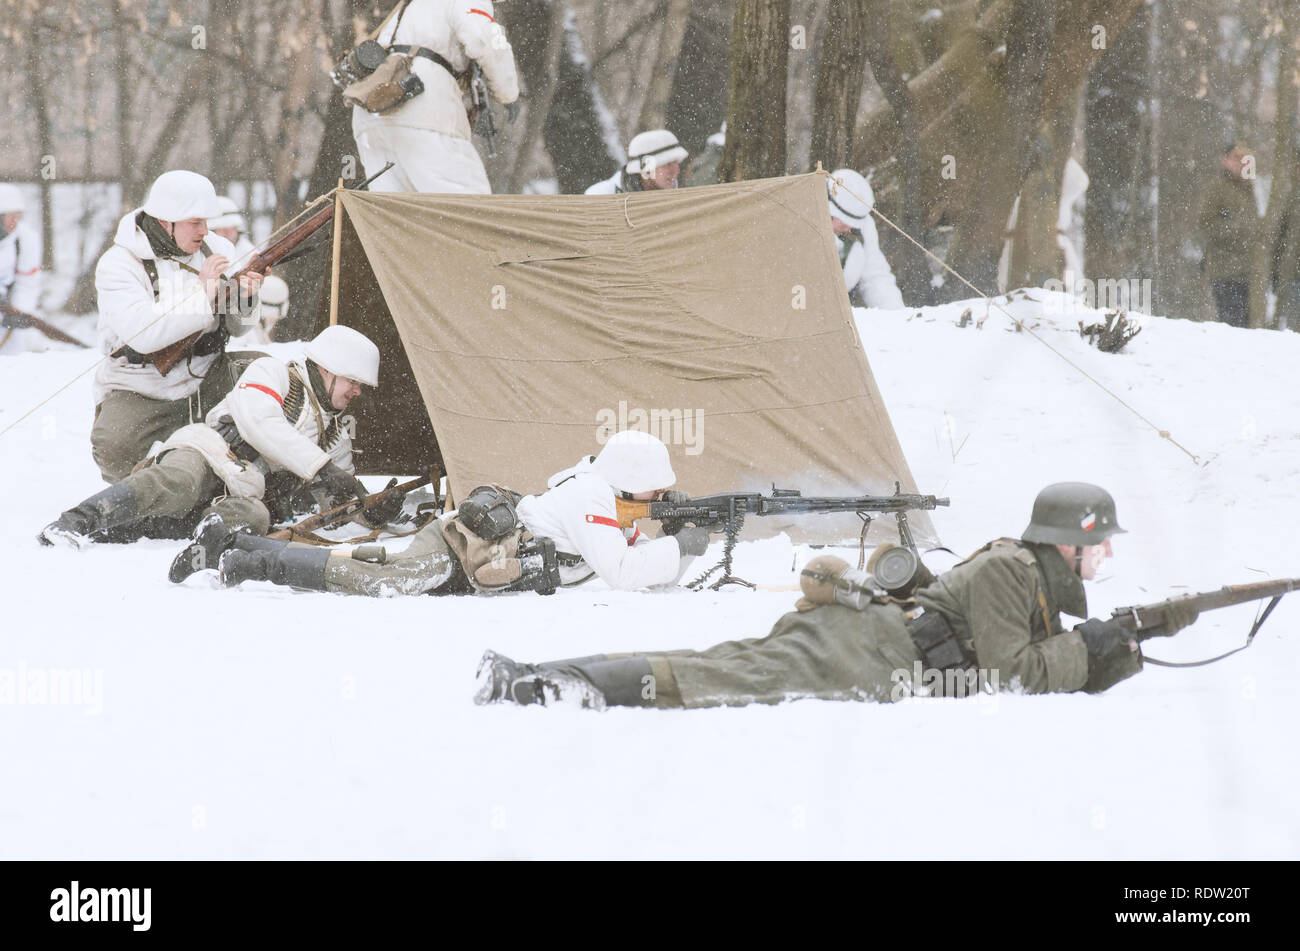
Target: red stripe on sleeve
604, 520
483, 13
635, 535
265, 389
29, 273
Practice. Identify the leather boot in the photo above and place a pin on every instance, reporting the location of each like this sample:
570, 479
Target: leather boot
296, 567
76, 527
213, 538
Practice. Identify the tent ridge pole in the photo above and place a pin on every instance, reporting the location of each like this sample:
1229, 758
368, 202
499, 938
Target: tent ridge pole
334, 263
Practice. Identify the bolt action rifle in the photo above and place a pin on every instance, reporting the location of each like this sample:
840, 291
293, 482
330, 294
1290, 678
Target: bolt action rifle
726, 513
282, 249
20, 318
1146, 621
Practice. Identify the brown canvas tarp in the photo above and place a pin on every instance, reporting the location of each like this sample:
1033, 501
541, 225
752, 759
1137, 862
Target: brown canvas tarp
526, 328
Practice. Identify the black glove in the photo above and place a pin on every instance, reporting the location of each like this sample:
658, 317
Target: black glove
692, 540
1176, 617
512, 110
381, 513
14, 319
342, 486
1101, 637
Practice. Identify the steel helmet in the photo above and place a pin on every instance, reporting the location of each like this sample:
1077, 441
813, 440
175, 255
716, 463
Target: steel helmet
179, 195
229, 217
852, 209
345, 352
649, 150
11, 199
275, 292
633, 461
1072, 513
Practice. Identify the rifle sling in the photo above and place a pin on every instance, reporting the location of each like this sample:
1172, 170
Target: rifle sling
1249, 640
428, 54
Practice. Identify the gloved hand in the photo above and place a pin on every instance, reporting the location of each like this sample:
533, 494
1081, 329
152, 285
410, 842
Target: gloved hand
692, 540
342, 486
1177, 616
675, 496
381, 513
1101, 637
512, 110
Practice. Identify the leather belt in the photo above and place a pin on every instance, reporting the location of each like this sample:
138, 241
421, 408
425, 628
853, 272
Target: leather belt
427, 54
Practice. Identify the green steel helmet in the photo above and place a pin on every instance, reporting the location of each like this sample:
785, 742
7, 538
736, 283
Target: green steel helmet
1072, 513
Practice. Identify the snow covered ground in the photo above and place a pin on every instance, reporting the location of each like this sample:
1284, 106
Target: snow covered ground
266, 723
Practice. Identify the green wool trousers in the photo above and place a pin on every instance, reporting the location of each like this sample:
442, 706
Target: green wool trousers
181, 481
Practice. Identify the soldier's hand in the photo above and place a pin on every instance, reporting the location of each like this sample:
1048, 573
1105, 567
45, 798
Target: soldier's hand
692, 540
1176, 617
672, 526
250, 282
341, 485
1102, 637
383, 512
210, 273
675, 496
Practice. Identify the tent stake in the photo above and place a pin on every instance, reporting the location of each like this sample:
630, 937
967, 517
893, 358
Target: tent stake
334, 265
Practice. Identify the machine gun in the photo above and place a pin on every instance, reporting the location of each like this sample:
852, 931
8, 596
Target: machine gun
726, 513
1146, 621
282, 249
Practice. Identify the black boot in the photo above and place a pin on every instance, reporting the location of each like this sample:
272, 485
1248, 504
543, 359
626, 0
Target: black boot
501, 679
76, 527
212, 538
296, 567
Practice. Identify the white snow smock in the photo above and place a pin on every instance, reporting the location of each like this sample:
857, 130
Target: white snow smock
128, 314
578, 513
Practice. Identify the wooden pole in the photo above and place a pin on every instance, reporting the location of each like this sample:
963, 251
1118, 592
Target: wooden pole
338, 244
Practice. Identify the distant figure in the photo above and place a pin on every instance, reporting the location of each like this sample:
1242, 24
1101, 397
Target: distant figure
654, 160
230, 224
867, 276
704, 170
20, 271
1062, 257
1229, 224
428, 136
275, 304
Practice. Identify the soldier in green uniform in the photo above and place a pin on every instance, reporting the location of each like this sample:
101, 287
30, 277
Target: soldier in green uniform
1229, 223
993, 619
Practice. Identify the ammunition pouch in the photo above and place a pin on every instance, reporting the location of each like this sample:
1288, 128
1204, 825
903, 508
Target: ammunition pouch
391, 84
937, 643
517, 561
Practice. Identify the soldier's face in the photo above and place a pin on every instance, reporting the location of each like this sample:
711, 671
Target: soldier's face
650, 496
230, 234
1093, 557
342, 390
663, 177
188, 234
10, 221
841, 228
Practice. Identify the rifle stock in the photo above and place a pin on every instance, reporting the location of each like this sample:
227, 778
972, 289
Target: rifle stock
1146, 620
49, 330
347, 511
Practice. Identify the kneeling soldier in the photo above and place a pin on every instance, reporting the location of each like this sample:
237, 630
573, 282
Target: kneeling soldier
996, 615
498, 541
279, 419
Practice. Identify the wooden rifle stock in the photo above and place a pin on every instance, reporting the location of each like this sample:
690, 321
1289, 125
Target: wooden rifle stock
54, 333
1147, 620
344, 513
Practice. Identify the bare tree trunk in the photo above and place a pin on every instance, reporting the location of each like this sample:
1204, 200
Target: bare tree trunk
1118, 233
841, 68
655, 107
1280, 190
123, 77
913, 272
37, 43
756, 88
579, 133
698, 101
536, 31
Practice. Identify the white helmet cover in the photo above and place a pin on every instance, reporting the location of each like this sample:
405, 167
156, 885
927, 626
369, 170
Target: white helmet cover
852, 209
11, 199
229, 217
274, 291
179, 195
633, 461
345, 352
649, 150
